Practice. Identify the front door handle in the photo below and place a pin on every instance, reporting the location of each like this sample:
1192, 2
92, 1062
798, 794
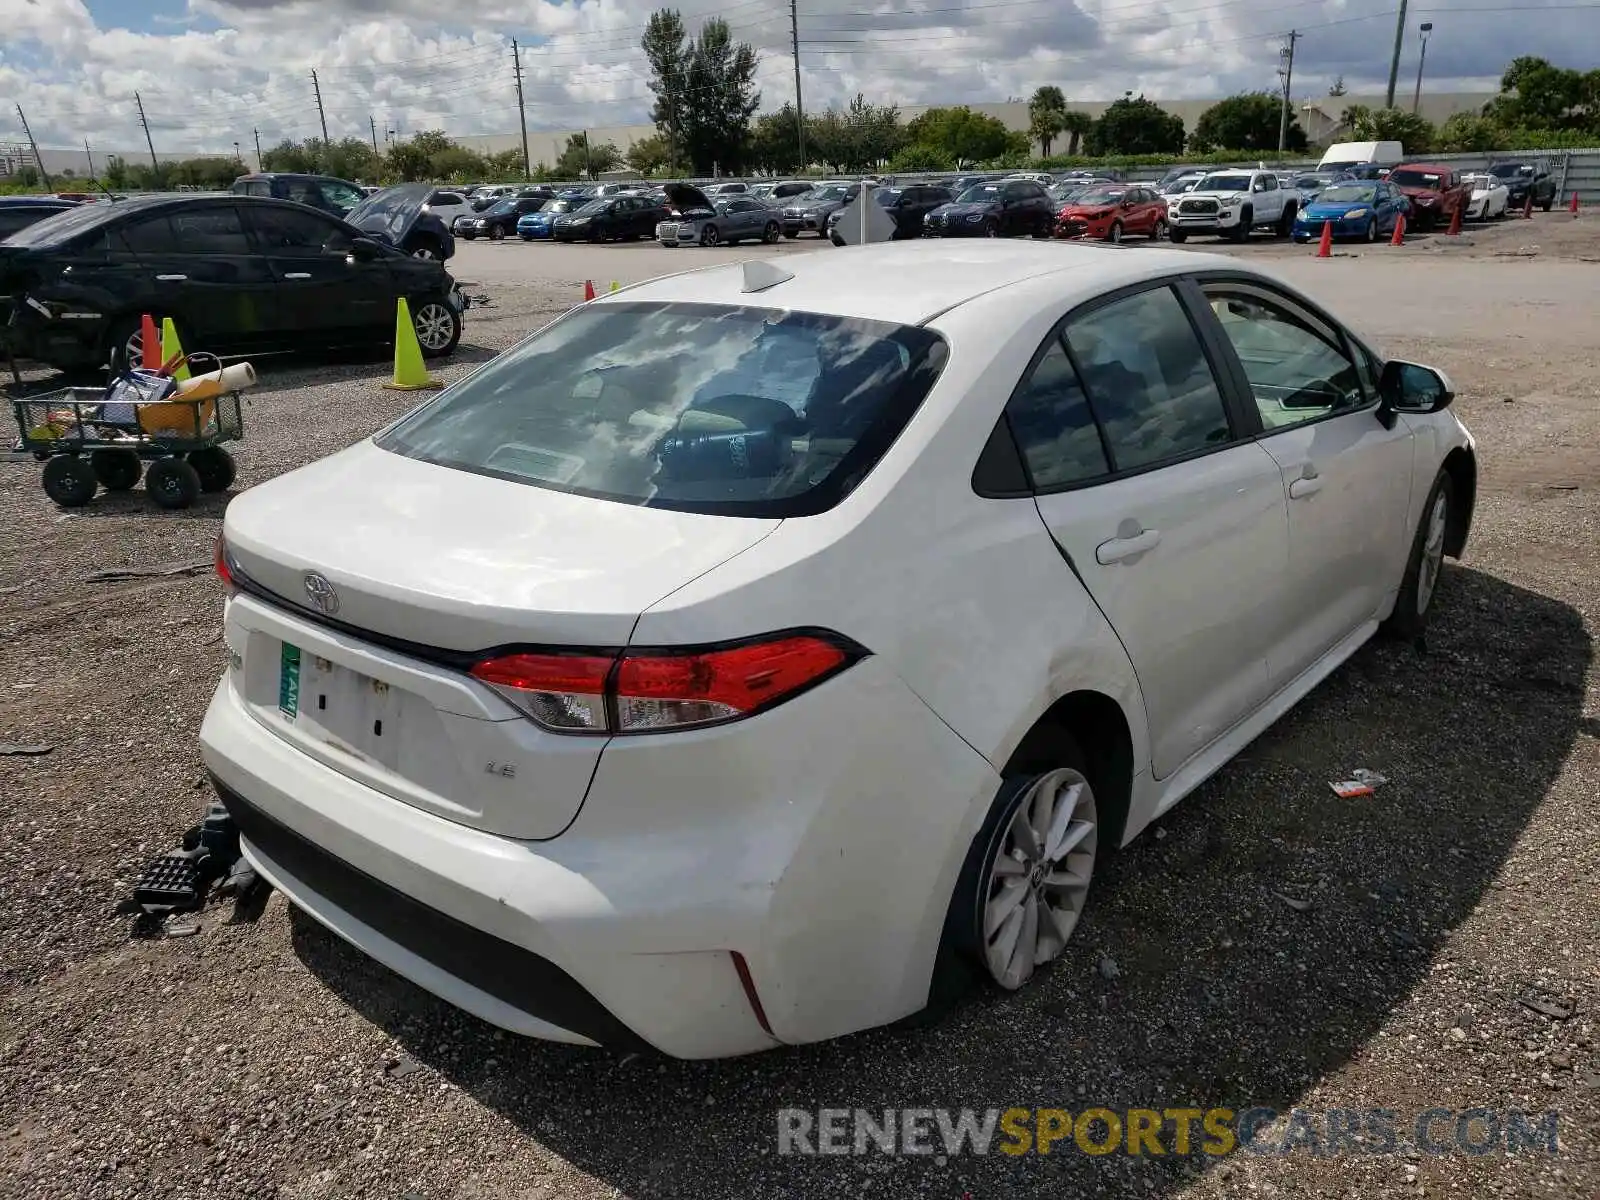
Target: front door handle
171, 278
297, 275
1120, 548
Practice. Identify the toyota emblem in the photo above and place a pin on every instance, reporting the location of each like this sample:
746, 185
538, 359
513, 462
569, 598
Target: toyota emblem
323, 595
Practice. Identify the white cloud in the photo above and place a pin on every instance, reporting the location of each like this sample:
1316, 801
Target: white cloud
232, 66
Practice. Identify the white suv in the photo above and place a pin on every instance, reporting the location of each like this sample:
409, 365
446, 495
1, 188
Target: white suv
1231, 203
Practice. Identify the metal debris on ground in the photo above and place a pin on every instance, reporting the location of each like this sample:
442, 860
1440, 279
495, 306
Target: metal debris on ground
1297, 905
1362, 782
147, 573
1558, 1010
13, 750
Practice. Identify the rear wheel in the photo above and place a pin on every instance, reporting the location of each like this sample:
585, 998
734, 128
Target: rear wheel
770, 234
1285, 224
215, 467
69, 481
172, 482
1159, 229
117, 470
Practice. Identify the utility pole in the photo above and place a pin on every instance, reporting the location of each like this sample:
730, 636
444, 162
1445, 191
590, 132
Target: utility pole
37, 160
522, 112
372, 122
1394, 63
156, 166
89, 154
1287, 54
799, 107
257, 132
317, 88
588, 163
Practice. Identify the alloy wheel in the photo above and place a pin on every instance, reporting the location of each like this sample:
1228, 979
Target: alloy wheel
1115, 236
424, 252
435, 325
1039, 878
1432, 562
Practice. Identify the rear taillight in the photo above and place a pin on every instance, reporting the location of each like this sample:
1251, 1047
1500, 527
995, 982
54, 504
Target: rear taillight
224, 565
655, 691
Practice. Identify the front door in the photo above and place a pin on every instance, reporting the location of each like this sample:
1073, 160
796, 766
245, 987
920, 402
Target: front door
1176, 528
1344, 475
325, 294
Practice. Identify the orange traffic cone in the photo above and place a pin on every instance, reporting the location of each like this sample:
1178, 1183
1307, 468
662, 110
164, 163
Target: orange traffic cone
588, 289
409, 373
1527, 207
1574, 205
150, 344
1399, 238
1455, 222
1325, 246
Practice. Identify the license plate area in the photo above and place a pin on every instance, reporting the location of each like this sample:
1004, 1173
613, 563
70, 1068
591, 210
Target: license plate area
342, 708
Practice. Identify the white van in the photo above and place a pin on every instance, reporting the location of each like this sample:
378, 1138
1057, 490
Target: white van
1345, 156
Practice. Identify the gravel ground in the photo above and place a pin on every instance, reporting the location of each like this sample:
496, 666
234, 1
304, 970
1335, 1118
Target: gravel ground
1431, 923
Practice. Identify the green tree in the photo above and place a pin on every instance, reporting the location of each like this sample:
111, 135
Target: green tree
407, 162
580, 159
959, 134
861, 138
1464, 132
115, 173
1136, 126
1047, 109
666, 50
917, 157
1537, 95
288, 156
721, 85
647, 155
775, 142
1076, 126
505, 165
1245, 122
1337, 87
1413, 132
457, 164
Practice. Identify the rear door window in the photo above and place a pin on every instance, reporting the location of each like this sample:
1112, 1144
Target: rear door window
695, 407
146, 236
210, 230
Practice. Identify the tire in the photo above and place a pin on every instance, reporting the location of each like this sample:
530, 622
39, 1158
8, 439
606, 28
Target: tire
172, 482
971, 951
770, 234
1547, 205
497, 234
125, 345
1177, 236
438, 327
1241, 231
1372, 229
116, 470
709, 236
1114, 234
1158, 230
1424, 566
215, 467
428, 250
69, 481
990, 229
1285, 225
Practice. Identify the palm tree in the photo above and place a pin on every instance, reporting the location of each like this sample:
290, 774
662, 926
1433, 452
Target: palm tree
1076, 126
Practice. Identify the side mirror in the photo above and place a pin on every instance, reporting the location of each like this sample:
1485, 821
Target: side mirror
364, 249
1413, 388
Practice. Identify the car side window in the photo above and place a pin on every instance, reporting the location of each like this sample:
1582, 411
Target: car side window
1053, 424
285, 231
1299, 369
1148, 380
217, 230
148, 235
258, 187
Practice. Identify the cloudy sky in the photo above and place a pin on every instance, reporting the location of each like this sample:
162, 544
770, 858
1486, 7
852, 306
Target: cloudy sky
212, 71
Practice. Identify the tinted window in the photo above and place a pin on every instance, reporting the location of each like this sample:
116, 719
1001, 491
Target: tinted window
281, 229
1416, 179
1052, 424
701, 408
1148, 379
210, 230
149, 235
341, 196
1297, 366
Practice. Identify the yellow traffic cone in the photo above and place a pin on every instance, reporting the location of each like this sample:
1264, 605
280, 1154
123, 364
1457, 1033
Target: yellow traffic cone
613, 285
172, 349
409, 373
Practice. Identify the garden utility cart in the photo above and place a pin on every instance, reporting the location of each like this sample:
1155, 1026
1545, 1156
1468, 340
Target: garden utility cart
89, 438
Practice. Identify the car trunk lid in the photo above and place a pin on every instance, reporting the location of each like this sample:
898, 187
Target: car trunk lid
373, 582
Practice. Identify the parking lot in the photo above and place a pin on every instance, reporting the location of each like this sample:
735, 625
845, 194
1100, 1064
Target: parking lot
1439, 950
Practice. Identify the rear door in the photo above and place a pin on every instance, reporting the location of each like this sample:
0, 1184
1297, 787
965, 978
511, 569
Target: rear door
324, 292
1175, 525
206, 273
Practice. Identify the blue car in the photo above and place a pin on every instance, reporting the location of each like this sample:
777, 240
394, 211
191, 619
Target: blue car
1360, 209
535, 226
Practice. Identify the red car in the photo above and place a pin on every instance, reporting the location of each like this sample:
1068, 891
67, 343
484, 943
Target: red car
1109, 213
1436, 192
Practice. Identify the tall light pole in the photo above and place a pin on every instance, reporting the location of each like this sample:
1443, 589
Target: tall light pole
1416, 97
1394, 61
1287, 57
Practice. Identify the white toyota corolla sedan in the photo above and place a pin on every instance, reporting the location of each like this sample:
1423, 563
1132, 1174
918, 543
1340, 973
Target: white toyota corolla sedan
749, 654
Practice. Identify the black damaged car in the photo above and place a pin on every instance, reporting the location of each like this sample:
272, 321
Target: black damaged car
237, 274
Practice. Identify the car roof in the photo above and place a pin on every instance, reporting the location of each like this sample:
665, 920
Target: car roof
910, 282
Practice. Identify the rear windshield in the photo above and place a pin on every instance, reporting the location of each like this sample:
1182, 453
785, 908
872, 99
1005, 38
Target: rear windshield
696, 407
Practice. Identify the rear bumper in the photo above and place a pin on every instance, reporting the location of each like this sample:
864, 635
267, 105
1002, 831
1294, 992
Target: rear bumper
820, 842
